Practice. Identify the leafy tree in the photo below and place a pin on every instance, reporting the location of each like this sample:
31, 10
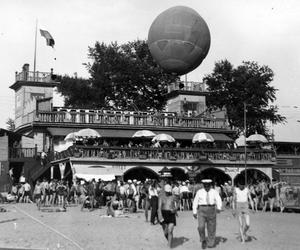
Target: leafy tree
247, 84
77, 92
122, 77
10, 124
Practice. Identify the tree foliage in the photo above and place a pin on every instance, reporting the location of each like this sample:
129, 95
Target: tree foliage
248, 84
77, 92
10, 124
122, 76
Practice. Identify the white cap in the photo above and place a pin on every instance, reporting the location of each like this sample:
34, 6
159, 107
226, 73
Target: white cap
168, 188
129, 181
134, 180
206, 181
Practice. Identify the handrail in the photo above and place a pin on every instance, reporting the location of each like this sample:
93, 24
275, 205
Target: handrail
132, 118
32, 76
22, 152
165, 153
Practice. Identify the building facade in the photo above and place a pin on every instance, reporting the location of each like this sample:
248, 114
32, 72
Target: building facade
116, 154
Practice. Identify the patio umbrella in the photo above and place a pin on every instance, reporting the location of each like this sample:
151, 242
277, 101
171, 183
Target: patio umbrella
202, 137
240, 142
143, 133
257, 138
88, 133
163, 138
62, 146
71, 136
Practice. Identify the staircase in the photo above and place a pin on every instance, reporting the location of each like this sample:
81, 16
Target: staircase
42, 168
37, 172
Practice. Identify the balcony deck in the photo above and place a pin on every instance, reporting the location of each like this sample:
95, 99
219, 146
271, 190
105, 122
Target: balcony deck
130, 118
168, 155
32, 76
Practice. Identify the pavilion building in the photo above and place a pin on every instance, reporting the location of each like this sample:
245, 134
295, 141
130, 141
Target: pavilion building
42, 127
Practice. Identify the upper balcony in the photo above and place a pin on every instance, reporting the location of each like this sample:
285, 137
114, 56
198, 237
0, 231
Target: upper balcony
31, 76
34, 78
130, 118
187, 86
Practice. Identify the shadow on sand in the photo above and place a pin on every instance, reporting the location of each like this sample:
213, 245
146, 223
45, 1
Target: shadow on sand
248, 238
178, 241
5, 221
219, 240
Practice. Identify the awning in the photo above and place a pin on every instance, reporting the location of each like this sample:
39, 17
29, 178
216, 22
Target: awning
178, 135
88, 177
114, 133
221, 137
89, 172
124, 133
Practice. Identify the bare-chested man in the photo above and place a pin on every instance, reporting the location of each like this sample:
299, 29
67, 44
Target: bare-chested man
167, 211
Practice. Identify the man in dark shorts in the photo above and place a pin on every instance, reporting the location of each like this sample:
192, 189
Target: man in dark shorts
167, 212
91, 194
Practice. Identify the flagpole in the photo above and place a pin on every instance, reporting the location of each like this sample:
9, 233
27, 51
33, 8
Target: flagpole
34, 62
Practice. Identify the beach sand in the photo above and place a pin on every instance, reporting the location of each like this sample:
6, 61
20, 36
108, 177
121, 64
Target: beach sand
23, 226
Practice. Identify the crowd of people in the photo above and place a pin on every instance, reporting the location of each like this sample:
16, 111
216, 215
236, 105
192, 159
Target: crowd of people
161, 200
135, 194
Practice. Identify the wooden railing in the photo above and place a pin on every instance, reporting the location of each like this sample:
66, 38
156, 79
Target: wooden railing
22, 152
32, 76
130, 118
171, 154
187, 86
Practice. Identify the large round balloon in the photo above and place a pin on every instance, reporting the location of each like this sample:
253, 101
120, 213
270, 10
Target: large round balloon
179, 40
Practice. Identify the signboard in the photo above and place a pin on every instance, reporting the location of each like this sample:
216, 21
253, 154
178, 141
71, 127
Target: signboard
232, 170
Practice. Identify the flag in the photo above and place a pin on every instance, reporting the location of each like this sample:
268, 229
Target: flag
49, 38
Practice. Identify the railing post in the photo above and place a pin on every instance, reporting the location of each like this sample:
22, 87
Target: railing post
35, 150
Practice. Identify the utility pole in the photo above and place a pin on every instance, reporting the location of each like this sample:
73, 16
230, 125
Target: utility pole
245, 140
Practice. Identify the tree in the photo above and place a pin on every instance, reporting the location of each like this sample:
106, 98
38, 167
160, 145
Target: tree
248, 84
10, 124
122, 77
77, 92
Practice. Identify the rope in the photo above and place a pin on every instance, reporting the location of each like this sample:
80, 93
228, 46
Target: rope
51, 228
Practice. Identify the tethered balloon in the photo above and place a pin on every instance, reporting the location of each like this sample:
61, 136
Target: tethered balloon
179, 40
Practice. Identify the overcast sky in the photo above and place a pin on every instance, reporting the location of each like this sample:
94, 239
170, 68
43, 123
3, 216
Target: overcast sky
264, 31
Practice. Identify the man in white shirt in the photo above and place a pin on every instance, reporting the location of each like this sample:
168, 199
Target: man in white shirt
206, 204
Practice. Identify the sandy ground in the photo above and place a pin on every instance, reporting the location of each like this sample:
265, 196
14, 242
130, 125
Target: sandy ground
88, 230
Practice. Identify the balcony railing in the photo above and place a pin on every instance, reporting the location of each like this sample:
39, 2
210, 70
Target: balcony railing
22, 153
129, 118
187, 86
32, 76
170, 154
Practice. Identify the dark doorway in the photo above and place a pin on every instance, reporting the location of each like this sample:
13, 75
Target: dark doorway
253, 176
216, 175
17, 170
140, 174
179, 174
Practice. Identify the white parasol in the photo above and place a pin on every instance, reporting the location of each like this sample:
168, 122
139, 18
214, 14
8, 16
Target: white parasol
163, 138
240, 142
71, 136
88, 133
257, 138
143, 133
202, 137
